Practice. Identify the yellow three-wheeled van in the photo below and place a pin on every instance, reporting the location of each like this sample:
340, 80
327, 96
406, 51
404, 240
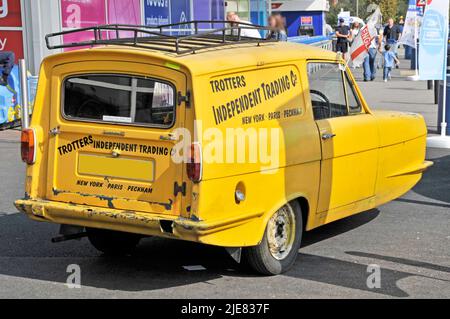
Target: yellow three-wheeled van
212, 138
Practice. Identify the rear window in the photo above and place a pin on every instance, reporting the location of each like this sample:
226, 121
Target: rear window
119, 99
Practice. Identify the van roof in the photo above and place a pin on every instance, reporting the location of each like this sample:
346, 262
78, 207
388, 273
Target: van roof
218, 59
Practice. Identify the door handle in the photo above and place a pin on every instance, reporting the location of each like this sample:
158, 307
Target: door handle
169, 137
328, 136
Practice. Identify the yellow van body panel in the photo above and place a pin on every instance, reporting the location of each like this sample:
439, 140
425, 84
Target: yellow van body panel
375, 157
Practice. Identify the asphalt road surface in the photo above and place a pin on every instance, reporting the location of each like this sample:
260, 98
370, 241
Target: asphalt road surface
409, 239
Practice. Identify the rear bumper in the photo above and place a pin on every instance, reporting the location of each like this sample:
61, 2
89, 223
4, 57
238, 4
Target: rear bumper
219, 233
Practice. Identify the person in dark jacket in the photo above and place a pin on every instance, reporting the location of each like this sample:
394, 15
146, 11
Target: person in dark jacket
7, 60
392, 34
343, 35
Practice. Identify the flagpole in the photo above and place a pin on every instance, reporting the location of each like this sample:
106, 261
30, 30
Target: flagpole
416, 40
444, 107
444, 93
416, 76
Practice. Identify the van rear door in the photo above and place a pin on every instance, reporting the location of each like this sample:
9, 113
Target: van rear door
110, 144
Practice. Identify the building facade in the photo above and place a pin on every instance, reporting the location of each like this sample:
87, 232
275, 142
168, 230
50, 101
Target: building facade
24, 23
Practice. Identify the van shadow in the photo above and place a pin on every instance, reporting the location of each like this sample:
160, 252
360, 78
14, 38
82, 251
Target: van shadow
356, 275
339, 227
26, 252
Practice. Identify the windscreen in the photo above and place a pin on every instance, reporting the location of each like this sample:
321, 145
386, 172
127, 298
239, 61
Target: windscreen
119, 99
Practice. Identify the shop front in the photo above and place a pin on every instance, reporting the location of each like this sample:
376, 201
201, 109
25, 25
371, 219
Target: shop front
303, 17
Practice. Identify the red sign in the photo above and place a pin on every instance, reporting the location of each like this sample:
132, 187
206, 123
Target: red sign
11, 17
276, 6
306, 20
10, 13
12, 41
421, 3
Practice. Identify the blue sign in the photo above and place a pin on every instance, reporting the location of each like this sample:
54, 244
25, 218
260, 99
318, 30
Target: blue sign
11, 98
433, 41
181, 12
157, 12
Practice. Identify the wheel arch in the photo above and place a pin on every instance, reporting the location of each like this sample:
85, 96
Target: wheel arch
301, 199
305, 207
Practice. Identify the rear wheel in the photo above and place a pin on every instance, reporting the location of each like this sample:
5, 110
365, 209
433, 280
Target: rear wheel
112, 242
278, 250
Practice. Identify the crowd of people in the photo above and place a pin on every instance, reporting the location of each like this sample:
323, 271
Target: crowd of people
385, 43
276, 23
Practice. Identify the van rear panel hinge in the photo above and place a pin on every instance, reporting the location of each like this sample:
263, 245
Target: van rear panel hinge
184, 98
180, 189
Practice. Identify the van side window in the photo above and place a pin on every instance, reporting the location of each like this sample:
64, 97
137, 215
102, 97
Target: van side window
119, 99
326, 83
354, 104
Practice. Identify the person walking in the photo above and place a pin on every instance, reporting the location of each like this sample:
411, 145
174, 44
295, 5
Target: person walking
390, 60
379, 59
7, 59
392, 33
401, 24
369, 66
278, 28
354, 31
246, 27
343, 35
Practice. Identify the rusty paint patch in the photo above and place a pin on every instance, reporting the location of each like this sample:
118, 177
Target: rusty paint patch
122, 215
110, 200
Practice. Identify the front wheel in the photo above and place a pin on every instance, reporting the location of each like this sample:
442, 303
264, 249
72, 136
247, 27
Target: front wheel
112, 242
279, 247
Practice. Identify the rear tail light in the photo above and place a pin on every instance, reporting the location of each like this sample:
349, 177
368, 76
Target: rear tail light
194, 165
28, 146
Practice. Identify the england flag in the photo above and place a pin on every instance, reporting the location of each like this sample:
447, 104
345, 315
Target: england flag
360, 47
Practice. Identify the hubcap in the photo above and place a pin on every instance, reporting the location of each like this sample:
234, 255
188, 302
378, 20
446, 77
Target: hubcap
281, 232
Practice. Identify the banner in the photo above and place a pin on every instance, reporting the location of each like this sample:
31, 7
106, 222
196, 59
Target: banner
360, 47
157, 12
411, 30
433, 41
181, 12
209, 10
124, 12
82, 14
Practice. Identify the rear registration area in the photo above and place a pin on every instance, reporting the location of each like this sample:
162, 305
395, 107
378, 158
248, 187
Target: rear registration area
109, 129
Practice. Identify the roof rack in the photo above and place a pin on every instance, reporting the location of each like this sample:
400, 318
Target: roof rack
179, 38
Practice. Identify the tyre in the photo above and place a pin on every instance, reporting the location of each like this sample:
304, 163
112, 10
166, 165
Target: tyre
112, 242
279, 247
